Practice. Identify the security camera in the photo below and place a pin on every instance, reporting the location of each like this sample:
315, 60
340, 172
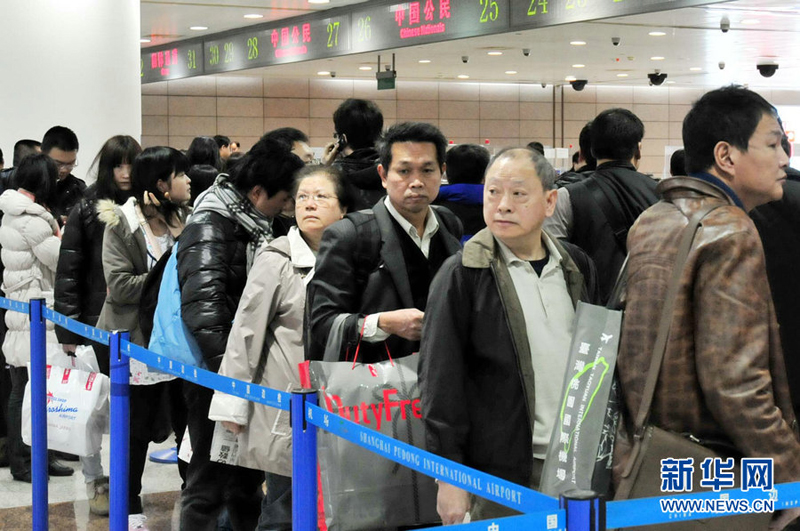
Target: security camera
578, 84
724, 24
465, 59
721, 65
615, 41
767, 70
657, 78
333, 74
544, 85
526, 52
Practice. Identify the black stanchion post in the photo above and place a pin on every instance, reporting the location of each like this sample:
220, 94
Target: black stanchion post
120, 433
304, 462
38, 414
586, 511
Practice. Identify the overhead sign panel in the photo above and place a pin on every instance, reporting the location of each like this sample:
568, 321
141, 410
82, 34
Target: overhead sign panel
171, 62
386, 26
526, 14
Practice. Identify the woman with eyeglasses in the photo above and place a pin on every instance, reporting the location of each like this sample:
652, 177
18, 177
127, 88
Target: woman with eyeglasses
30, 240
137, 234
80, 285
266, 342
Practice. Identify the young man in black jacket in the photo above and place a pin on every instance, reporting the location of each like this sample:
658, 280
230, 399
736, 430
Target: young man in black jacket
497, 333
230, 222
61, 145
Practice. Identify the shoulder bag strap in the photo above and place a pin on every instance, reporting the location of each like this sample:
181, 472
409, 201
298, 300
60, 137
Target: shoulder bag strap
610, 209
660, 346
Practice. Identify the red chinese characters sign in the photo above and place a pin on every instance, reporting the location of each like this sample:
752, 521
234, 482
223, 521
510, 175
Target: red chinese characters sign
416, 19
291, 41
163, 59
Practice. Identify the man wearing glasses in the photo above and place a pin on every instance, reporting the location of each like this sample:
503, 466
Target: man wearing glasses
61, 145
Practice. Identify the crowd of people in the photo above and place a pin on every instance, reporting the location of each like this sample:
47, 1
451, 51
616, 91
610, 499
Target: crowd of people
278, 251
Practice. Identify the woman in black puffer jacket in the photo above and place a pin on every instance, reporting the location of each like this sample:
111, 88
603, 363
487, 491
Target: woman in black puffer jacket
80, 289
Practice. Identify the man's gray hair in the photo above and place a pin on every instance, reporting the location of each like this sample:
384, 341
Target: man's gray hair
545, 171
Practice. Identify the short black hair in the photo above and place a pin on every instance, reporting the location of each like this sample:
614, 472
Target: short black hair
677, 163
25, 147
616, 134
728, 114
411, 132
38, 174
2, 160
536, 146
343, 190
576, 157
157, 164
286, 136
222, 141
269, 164
585, 146
204, 150
59, 137
544, 170
360, 120
120, 149
466, 164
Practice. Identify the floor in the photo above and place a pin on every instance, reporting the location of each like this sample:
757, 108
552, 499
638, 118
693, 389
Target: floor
69, 509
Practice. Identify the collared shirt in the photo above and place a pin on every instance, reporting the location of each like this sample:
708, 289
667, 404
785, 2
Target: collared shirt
372, 333
549, 322
719, 183
303, 257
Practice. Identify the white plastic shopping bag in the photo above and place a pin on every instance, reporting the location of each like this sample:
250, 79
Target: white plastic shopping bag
77, 410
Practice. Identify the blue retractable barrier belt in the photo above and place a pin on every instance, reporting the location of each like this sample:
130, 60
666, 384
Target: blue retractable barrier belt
14, 306
484, 485
648, 511
248, 391
89, 332
547, 520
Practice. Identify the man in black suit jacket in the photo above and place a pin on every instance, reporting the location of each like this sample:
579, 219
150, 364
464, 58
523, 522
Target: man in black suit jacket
375, 266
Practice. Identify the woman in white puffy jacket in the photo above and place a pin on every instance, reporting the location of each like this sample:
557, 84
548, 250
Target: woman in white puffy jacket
30, 240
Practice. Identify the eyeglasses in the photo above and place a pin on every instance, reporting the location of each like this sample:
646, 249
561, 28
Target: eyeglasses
321, 199
65, 166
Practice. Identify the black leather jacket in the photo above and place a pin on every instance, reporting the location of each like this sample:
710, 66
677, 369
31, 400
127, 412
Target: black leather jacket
80, 289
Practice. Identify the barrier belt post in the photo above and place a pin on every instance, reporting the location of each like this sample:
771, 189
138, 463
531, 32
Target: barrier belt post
38, 414
586, 510
304, 462
120, 433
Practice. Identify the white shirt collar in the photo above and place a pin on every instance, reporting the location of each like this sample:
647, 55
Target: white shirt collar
302, 255
431, 223
510, 257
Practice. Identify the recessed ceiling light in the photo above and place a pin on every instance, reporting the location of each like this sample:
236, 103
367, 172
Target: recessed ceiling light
319, 1
365, 68
198, 28
144, 39
578, 66
424, 61
750, 21
670, 82
622, 75
463, 76
495, 53
570, 78
656, 33
696, 69
254, 15
657, 58
511, 72
578, 43
323, 73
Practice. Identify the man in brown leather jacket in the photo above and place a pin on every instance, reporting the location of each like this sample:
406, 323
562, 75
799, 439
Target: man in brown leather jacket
723, 376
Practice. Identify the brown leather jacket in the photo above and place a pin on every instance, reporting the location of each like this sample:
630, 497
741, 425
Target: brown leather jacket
723, 375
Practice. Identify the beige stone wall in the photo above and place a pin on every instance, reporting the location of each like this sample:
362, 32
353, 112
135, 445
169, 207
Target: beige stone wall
243, 108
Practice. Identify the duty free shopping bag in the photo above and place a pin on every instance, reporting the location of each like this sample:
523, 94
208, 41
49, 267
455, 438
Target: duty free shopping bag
361, 490
77, 410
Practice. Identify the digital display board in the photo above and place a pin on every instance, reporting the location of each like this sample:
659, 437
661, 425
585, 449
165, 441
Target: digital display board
527, 14
294, 40
380, 27
173, 62
376, 26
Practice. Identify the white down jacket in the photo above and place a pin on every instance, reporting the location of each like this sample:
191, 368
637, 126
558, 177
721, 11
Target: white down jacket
30, 255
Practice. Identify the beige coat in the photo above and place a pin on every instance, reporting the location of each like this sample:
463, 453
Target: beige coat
269, 321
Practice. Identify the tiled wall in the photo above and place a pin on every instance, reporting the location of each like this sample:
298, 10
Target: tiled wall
243, 108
